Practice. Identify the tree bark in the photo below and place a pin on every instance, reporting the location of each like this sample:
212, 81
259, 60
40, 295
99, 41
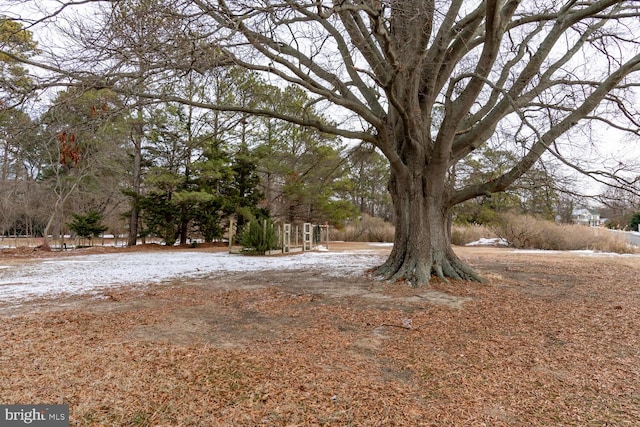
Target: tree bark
422, 245
184, 225
137, 134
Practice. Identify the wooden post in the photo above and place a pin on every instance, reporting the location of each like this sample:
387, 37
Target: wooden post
326, 224
307, 237
286, 238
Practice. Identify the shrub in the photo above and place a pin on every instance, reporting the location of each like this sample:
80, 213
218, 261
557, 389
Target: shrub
259, 236
527, 232
366, 229
464, 234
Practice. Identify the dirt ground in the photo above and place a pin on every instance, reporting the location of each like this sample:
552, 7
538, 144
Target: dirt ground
549, 340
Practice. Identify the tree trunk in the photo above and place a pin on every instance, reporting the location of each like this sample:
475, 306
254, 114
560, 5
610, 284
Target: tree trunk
137, 172
133, 225
422, 246
184, 225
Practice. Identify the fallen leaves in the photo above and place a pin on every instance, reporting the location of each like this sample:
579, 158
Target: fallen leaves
549, 343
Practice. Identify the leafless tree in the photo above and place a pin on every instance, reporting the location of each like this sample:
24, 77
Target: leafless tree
427, 83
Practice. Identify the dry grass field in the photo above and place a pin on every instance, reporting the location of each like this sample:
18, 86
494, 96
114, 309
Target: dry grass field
552, 339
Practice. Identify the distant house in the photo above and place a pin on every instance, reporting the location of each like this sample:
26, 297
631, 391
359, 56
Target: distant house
586, 217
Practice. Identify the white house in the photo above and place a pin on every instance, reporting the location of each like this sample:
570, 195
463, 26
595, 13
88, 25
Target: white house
586, 217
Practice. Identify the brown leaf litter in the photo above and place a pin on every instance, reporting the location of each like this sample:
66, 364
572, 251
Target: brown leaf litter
549, 340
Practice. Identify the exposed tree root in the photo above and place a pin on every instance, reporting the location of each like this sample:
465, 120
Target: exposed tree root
419, 272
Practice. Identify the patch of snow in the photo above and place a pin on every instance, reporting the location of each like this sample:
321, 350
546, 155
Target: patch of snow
609, 254
489, 242
583, 252
91, 273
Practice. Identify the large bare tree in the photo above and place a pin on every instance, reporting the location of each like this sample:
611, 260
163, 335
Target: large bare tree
428, 83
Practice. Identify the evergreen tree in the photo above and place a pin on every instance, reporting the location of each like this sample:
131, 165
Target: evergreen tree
242, 194
365, 183
300, 167
87, 226
161, 216
15, 83
634, 223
